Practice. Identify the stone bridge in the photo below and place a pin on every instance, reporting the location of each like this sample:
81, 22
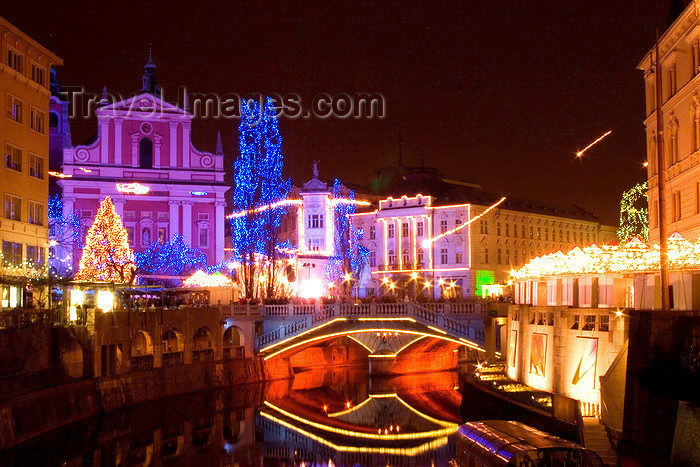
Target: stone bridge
383, 329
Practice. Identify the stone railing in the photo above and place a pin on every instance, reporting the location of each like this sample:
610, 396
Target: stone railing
471, 329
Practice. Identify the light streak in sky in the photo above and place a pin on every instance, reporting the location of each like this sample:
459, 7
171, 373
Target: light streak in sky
429, 241
580, 153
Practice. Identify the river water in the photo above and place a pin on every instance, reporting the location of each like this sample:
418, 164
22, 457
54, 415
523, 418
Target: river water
340, 416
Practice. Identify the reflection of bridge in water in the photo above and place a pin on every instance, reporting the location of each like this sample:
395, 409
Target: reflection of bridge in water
384, 330
406, 420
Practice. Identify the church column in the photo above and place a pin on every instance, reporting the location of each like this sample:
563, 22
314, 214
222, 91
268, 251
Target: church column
158, 140
187, 223
173, 144
119, 206
104, 140
118, 141
219, 231
135, 150
174, 218
186, 144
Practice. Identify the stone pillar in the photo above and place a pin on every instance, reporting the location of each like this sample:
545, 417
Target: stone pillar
173, 144
490, 338
219, 241
174, 218
104, 140
187, 223
119, 205
118, 141
135, 150
156, 150
186, 144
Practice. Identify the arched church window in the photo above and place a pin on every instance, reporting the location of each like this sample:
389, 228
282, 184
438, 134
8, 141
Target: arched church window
146, 153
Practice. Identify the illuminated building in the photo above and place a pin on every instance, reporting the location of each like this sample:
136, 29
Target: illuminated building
679, 50
310, 224
429, 239
24, 136
143, 158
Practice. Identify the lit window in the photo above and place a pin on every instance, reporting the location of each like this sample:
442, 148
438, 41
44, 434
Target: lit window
13, 208
203, 237
37, 74
589, 323
14, 109
13, 157
36, 213
531, 233
15, 60
36, 120
11, 254
36, 166
576, 322
162, 235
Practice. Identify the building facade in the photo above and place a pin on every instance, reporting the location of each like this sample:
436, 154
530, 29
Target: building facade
451, 245
679, 53
143, 158
24, 81
441, 241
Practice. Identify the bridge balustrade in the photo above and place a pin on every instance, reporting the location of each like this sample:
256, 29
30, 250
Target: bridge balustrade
315, 316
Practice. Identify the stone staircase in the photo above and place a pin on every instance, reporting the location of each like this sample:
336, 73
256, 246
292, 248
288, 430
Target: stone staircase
596, 439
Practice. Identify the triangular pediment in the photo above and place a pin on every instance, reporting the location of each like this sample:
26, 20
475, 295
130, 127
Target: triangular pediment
141, 103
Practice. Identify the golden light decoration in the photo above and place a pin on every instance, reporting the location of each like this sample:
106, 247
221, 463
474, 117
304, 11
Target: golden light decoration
106, 254
635, 256
133, 188
202, 279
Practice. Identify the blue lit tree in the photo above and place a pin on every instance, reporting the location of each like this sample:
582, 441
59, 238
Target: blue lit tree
258, 182
349, 256
172, 258
65, 236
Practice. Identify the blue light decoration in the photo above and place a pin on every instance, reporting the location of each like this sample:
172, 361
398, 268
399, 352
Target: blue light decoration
258, 182
64, 232
172, 258
199, 193
349, 255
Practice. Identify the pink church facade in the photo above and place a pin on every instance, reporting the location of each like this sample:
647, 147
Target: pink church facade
146, 140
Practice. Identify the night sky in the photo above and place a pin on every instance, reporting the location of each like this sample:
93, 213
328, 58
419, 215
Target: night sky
498, 93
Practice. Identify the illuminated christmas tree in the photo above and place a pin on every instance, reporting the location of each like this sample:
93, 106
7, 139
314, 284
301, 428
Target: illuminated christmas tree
106, 254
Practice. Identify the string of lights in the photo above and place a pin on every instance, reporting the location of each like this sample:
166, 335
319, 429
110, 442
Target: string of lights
429, 241
635, 256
